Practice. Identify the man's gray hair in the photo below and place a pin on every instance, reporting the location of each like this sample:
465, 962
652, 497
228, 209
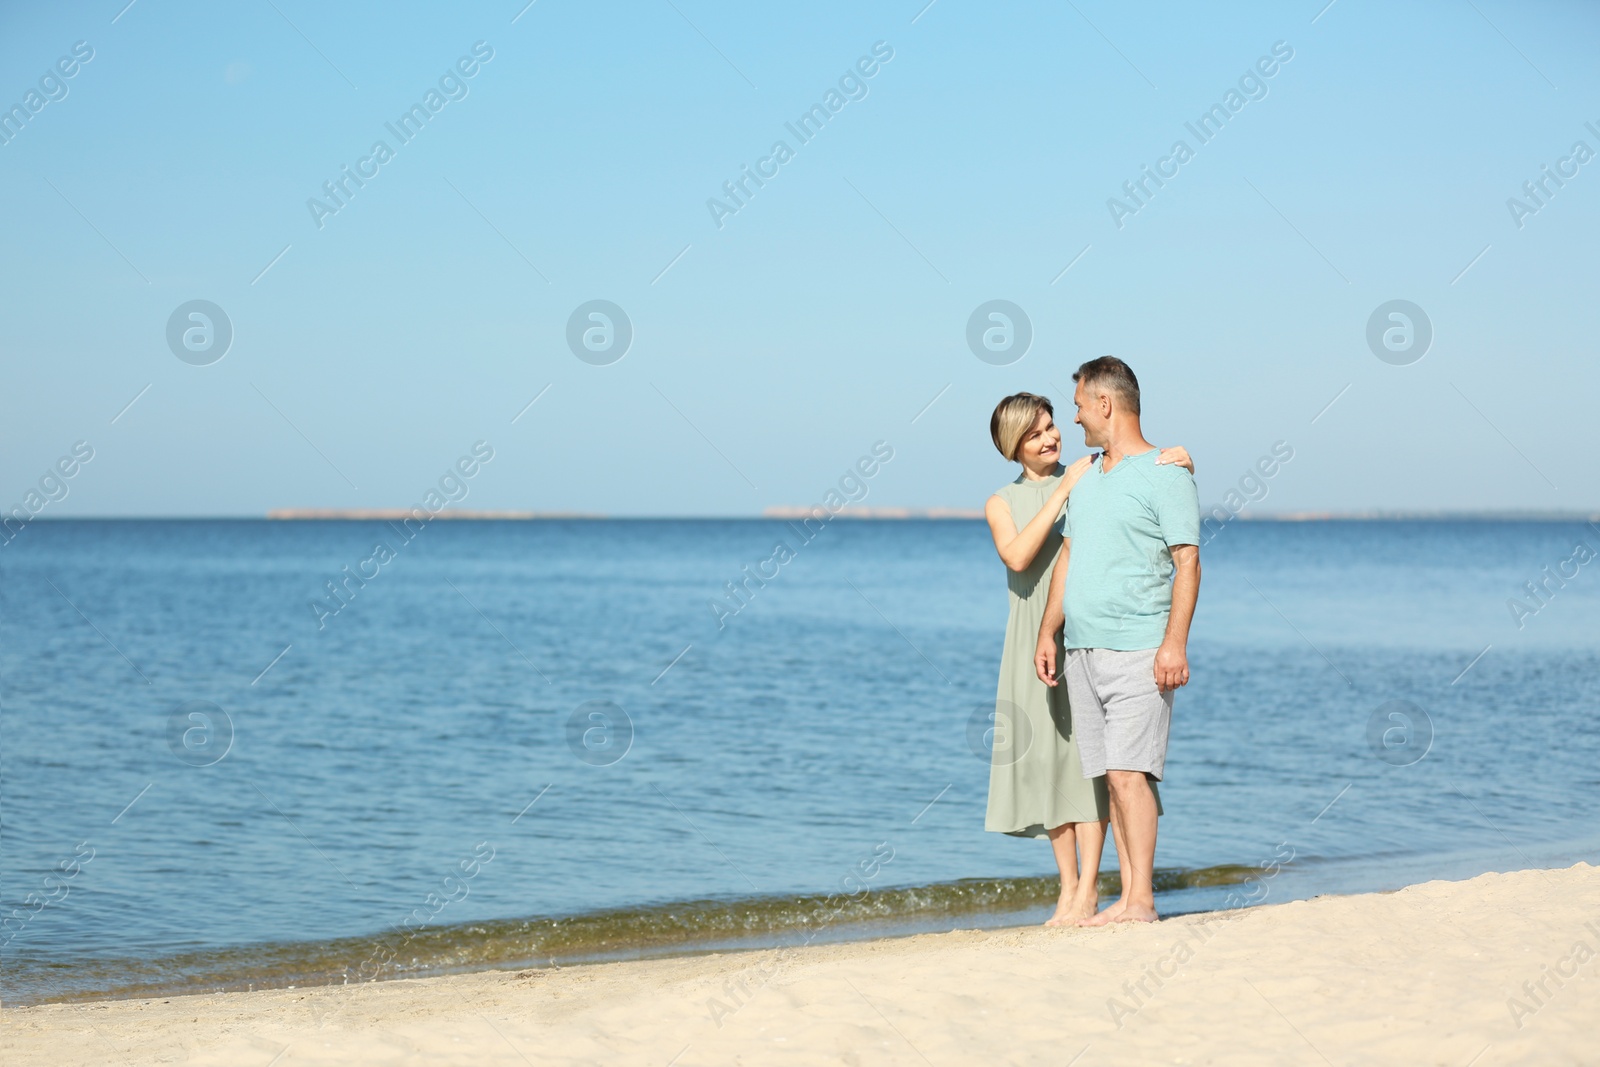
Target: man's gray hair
1115, 377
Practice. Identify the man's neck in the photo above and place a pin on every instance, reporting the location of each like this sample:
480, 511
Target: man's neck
1124, 440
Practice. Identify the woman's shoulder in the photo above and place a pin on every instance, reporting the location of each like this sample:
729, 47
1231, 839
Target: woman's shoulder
1023, 484
1009, 491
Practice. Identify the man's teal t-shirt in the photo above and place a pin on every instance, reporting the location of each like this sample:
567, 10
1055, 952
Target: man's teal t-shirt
1123, 524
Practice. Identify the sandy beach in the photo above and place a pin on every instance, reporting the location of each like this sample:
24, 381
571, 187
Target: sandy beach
1496, 970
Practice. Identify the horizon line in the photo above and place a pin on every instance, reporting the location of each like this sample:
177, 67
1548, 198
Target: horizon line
783, 513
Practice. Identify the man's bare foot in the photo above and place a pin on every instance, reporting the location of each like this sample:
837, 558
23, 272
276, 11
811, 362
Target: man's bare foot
1122, 912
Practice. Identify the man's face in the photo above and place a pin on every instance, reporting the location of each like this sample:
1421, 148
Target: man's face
1091, 416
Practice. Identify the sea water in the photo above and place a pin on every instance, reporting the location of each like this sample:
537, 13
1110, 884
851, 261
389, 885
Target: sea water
247, 753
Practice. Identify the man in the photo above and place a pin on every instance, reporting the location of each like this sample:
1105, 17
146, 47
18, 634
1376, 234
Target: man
1124, 591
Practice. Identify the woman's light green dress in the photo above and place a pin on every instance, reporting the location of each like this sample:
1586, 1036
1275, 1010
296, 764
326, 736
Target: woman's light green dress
1035, 780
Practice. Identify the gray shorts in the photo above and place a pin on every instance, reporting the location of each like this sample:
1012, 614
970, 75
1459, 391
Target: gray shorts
1119, 715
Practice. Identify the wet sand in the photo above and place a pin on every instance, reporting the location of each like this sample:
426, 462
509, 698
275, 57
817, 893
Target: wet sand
1500, 969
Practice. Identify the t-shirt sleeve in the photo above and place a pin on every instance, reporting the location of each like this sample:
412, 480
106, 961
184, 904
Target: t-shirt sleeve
1178, 509
1064, 524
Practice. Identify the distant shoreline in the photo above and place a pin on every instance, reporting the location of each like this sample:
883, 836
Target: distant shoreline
790, 512
399, 514
796, 513
893, 513
1421, 516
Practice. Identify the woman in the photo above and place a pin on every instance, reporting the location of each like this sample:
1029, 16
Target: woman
1036, 785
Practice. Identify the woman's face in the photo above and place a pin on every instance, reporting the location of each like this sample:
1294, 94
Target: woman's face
1041, 445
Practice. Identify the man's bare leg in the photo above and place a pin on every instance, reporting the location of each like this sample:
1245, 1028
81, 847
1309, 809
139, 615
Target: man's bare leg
1111, 913
1133, 814
1063, 842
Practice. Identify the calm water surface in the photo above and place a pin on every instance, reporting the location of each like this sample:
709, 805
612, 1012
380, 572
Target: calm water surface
530, 740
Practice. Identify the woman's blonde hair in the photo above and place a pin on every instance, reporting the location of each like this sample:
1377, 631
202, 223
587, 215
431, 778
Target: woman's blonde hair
1013, 417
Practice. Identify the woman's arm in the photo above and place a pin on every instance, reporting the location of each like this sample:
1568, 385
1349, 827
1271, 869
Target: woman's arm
1018, 548
1179, 455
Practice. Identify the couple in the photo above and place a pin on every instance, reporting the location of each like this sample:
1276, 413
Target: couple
1103, 588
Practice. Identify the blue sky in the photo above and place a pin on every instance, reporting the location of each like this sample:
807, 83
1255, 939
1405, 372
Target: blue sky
767, 355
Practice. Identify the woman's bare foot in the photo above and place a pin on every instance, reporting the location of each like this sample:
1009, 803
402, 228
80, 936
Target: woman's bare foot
1071, 911
1122, 912
1107, 916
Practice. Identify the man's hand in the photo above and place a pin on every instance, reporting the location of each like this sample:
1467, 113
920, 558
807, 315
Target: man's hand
1044, 660
1172, 662
1172, 666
